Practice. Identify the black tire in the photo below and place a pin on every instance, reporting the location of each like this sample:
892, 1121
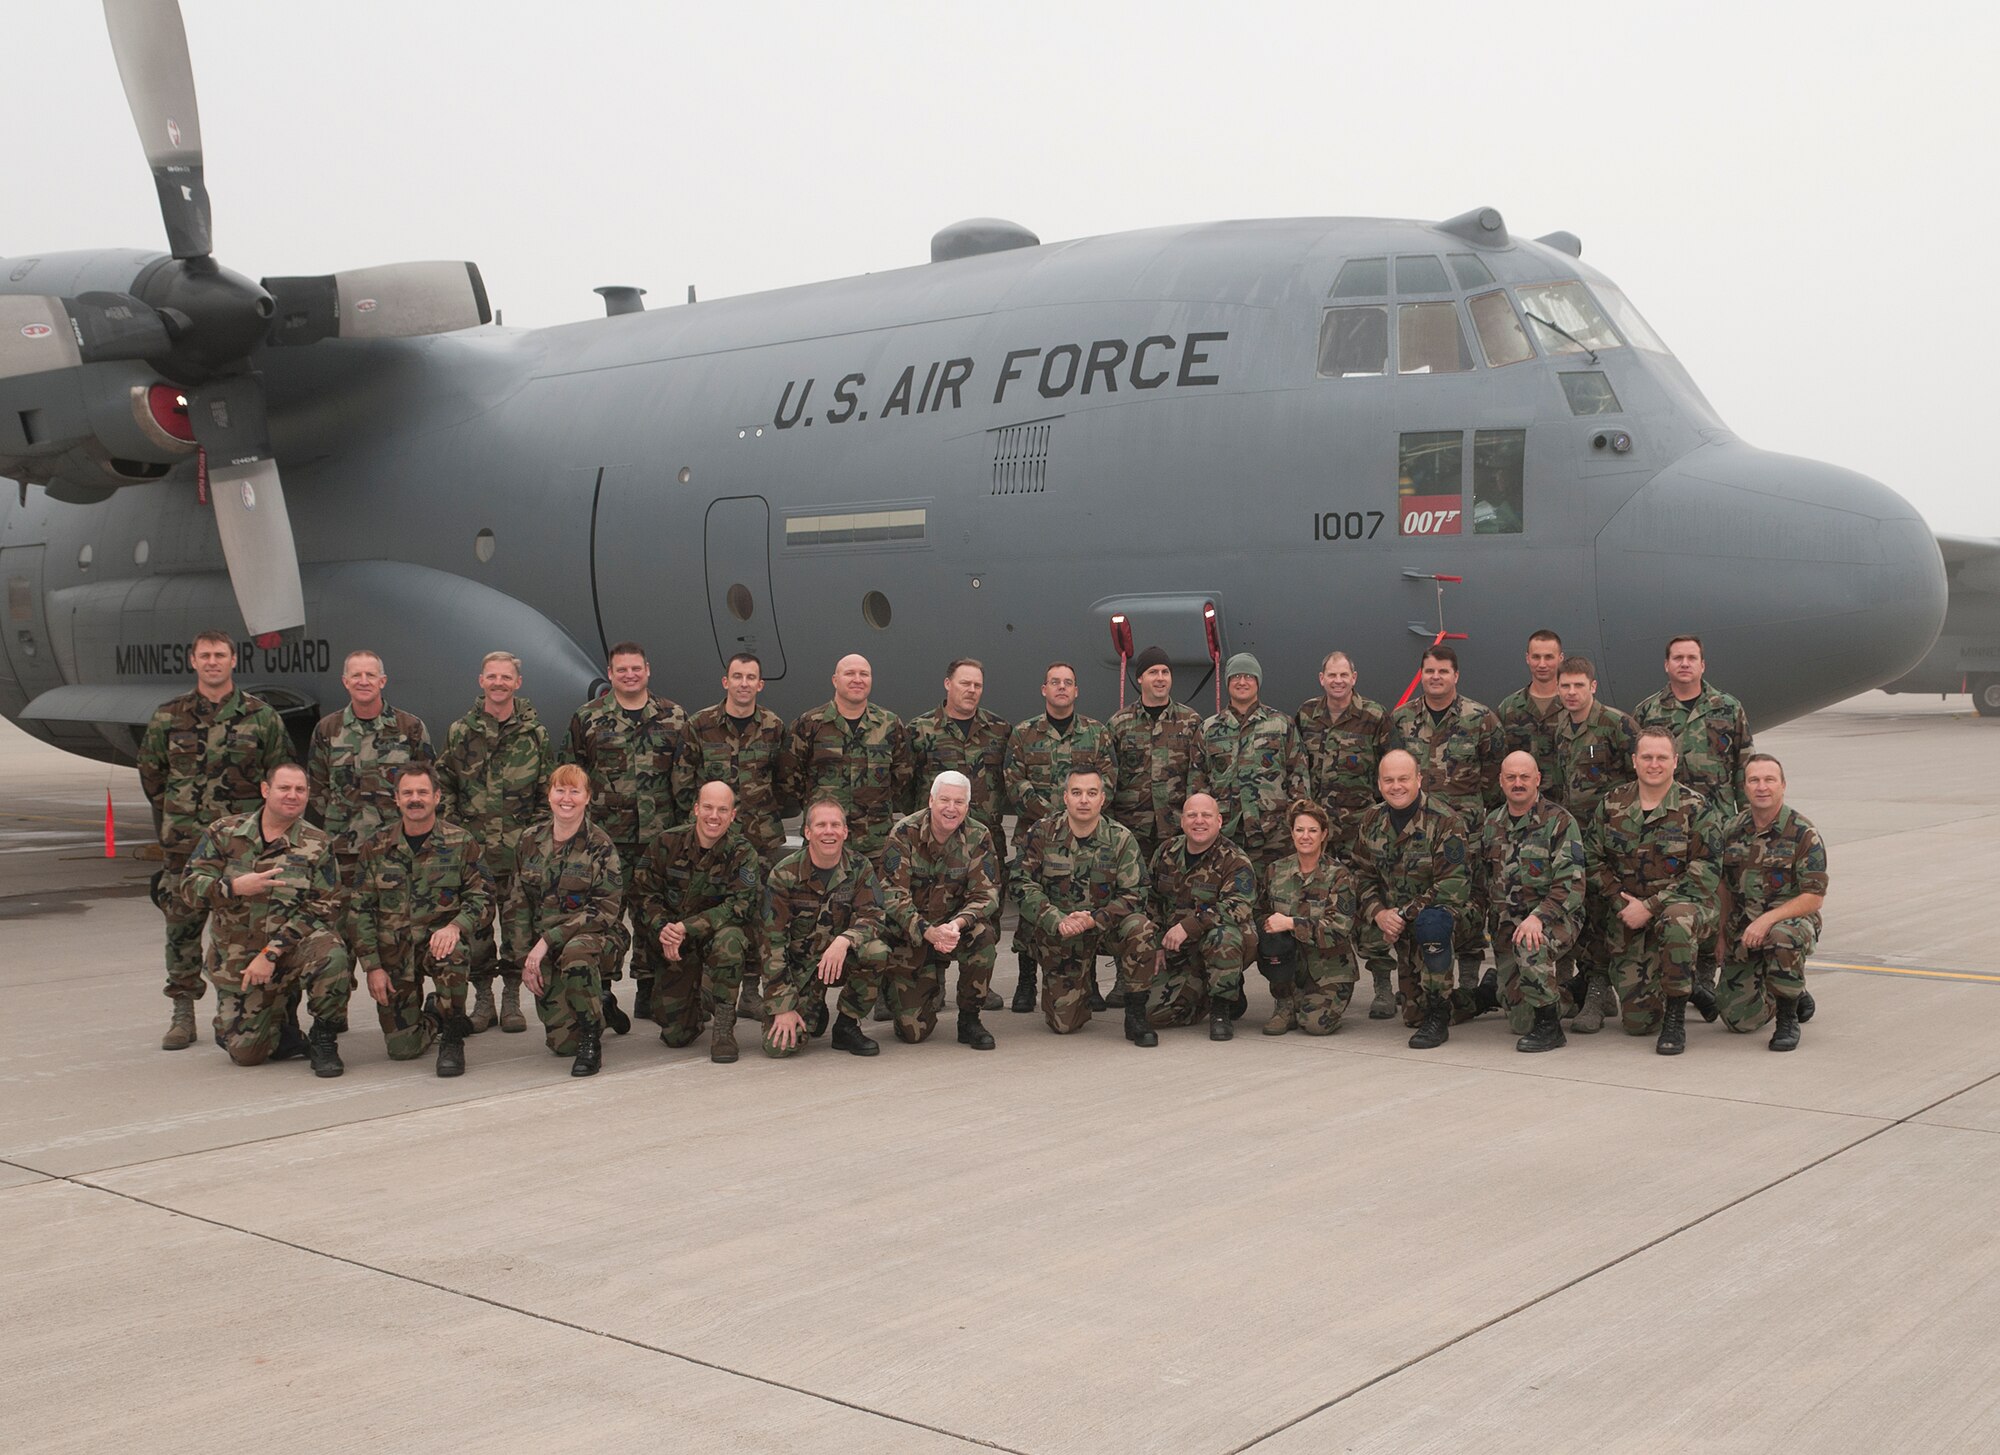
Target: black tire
1986, 695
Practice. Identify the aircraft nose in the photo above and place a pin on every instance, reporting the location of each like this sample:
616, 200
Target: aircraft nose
1807, 583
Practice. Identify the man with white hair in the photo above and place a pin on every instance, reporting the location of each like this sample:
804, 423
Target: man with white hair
941, 895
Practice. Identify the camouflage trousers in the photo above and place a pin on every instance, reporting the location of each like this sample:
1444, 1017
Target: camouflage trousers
1322, 988
1068, 968
687, 991
647, 957
913, 980
860, 983
1754, 981
1530, 980
1414, 978
1655, 964
494, 952
184, 926
1589, 952
404, 1030
249, 1018
573, 988
1207, 969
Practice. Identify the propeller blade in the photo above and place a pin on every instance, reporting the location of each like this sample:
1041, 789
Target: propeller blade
40, 334
396, 300
249, 498
150, 44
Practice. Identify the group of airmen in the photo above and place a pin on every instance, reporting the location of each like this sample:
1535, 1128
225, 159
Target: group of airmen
1617, 864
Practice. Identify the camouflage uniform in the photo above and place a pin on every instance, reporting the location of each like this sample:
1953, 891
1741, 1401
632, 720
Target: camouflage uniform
926, 883
1532, 729
1039, 759
1459, 755
1212, 895
569, 894
199, 761
1592, 758
805, 910
1668, 857
493, 780
631, 758
295, 919
714, 892
402, 894
1762, 868
863, 765
1712, 733
978, 749
1160, 759
1531, 864
1322, 907
1342, 754
753, 756
351, 766
1255, 769
1055, 873
1421, 866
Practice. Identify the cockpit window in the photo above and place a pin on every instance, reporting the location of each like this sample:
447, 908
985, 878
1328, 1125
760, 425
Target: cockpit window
1421, 275
1354, 342
1635, 328
1471, 272
1363, 278
1565, 318
1428, 338
1500, 334
1589, 393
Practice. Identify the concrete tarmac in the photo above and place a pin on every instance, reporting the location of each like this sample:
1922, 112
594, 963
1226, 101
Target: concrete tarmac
1070, 1245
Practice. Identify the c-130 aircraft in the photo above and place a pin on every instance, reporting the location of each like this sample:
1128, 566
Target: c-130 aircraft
1279, 436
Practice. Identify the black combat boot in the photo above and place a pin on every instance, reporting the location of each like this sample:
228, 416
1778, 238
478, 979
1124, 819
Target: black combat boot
1786, 1036
992, 1001
1024, 988
972, 1033
589, 1048
291, 1040
1673, 1028
614, 1017
1486, 994
1435, 1028
323, 1047
1806, 1006
849, 1037
1219, 1026
1703, 1000
1096, 994
1547, 1032
453, 1026
1240, 1006
1136, 1029
642, 1001
815, 1014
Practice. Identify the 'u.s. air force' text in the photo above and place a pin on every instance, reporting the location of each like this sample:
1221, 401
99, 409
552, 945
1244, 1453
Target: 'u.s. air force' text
1103, 366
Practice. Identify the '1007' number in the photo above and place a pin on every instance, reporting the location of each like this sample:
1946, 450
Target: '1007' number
1355, 525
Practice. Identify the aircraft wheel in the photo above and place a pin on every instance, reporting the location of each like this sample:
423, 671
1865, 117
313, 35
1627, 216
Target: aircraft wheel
1986, 695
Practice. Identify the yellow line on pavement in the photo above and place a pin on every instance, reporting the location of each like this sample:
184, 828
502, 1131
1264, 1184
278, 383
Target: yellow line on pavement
1901, 970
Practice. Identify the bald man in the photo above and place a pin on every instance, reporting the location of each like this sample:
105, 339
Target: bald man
1201, 904
856, 754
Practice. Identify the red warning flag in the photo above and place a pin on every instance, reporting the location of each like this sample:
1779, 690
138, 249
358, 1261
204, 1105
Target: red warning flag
110, 829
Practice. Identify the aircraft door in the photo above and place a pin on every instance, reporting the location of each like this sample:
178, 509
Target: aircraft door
741, 608
30, 655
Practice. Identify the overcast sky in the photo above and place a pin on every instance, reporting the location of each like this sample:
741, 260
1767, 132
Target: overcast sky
1802, 200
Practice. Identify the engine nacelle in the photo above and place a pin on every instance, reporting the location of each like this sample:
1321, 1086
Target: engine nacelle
100, 426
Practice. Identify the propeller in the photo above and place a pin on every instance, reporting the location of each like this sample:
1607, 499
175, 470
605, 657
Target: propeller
198, 323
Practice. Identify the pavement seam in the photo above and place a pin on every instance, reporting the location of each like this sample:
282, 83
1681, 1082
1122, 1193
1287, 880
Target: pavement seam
1500, 1318
626, 1339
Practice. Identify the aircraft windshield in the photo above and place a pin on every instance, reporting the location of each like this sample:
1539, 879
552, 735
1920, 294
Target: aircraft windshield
1636, 330
1566, 319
